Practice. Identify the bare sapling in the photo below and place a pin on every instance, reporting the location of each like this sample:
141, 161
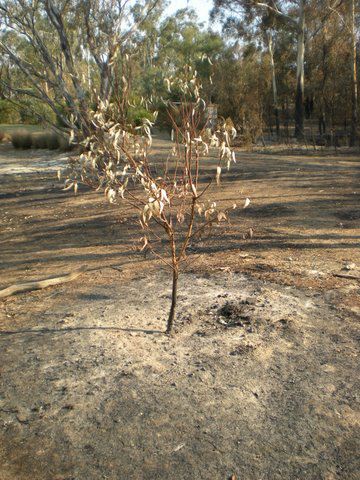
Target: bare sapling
171, 194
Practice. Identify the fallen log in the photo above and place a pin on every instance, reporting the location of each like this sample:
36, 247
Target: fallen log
40, 284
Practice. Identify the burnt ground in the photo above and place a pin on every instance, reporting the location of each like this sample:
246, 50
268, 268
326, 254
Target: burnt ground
260, 380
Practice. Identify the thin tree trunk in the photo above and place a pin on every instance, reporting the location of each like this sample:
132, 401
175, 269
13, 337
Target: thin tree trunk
105, 82
299, 100
274, 85
354, 93
170, 322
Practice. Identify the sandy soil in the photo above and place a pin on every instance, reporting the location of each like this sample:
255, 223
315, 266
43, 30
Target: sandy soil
261, 378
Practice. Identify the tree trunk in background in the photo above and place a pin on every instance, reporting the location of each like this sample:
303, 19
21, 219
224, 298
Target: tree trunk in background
299, 99
274, 86
105, 85
354, 92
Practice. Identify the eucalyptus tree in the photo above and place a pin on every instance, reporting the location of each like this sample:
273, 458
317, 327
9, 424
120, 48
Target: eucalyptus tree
354, 79
172, 194
294, 14
167, 44
249, 22
66, 51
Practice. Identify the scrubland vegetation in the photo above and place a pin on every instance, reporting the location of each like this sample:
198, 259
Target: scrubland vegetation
279, 69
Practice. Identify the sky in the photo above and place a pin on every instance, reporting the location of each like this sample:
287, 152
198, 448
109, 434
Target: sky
202, 8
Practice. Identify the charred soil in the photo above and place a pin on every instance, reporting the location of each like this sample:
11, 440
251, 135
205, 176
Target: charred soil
260, 378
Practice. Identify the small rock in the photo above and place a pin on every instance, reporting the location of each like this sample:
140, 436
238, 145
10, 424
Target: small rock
315, 273
250, 301
22, 417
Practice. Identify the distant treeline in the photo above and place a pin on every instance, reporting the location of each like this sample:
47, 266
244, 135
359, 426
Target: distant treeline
276, 69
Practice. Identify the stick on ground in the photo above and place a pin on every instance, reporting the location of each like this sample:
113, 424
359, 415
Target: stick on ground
38, 285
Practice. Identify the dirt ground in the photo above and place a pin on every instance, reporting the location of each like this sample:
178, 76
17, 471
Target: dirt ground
261, 379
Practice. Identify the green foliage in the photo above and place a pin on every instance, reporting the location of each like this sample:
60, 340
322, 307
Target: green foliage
33, 111
136, 115
241, 90
8, 113
163, 120
63, 111
257, 45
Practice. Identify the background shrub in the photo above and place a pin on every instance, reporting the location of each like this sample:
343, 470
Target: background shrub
64, 145
21, 139
136, 114
39, 140
50, 141
8, 113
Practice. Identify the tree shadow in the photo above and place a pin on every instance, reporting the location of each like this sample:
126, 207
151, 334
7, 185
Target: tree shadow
305, 195
42, 331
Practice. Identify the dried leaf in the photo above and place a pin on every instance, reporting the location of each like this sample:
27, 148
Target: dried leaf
179, 447
68, 187
221, 216
111, 195
180, 217
146, 241
247, 202
146, 215
164, 197
168, 83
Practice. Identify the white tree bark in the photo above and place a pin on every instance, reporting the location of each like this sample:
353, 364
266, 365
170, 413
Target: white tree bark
274, 83
354, 90
299, 101
299, 26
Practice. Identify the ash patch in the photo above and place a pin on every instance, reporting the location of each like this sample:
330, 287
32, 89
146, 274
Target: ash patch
247, 314
237, 313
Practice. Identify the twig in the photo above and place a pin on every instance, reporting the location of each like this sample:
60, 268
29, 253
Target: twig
344, 275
